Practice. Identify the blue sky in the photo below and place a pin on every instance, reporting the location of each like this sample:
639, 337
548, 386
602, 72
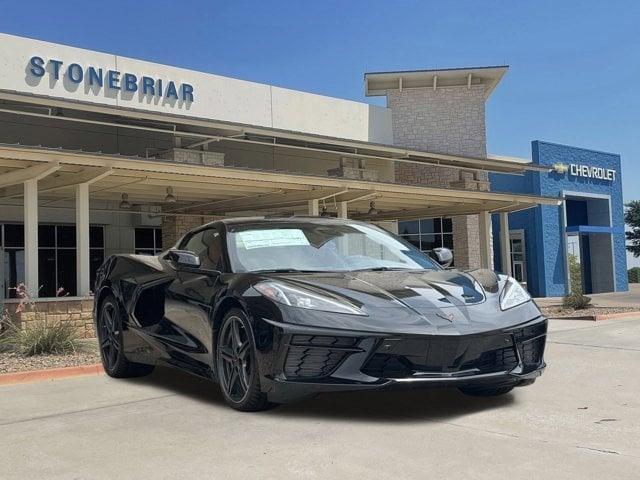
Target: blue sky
575, 65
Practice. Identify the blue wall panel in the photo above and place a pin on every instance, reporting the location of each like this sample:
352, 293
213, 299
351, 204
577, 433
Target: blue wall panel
544, 238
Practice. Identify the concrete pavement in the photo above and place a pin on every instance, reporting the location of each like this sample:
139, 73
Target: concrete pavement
630, 299
580, 420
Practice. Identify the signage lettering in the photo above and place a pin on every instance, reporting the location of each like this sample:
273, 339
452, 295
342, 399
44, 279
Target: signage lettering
592, 172
115, 80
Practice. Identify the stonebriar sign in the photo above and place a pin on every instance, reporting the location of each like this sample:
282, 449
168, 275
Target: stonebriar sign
98, 78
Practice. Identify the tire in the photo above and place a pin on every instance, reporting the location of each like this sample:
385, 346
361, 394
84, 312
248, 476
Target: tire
236, 364
110, 343
486, 391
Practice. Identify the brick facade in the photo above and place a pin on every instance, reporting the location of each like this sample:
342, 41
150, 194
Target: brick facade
445, 120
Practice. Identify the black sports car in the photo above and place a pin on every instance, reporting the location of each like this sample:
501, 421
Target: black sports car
276, 309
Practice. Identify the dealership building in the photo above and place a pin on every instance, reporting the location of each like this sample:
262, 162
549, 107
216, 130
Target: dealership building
102, 154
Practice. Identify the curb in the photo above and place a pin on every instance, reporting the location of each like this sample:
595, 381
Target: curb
50, 374
599, 318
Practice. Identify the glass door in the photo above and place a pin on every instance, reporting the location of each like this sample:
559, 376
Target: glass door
518, 260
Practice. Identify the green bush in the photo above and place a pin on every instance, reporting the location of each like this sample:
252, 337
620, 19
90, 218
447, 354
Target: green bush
634, 275
576, 301
41, 337
575, 275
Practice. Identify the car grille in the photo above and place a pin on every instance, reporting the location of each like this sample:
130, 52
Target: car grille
398, 366
317, 356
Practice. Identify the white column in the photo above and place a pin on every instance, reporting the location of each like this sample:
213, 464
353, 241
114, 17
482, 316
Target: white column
486, 255
314, 208
82, 239
505, 244
31, 237
342, 210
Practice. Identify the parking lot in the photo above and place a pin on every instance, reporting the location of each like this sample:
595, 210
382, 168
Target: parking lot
580, 420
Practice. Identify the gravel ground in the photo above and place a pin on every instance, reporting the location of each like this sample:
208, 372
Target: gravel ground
11, 362
559, 312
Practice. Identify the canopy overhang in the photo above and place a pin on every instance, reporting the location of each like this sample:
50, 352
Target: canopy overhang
230, 191
196, 133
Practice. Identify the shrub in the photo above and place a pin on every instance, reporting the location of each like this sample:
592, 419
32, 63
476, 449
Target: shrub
576, 301
634, 275
5, 331
42, 337
39, 336
575, 275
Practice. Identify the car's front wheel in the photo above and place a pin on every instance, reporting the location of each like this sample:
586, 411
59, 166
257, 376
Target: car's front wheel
111, 345
237, 366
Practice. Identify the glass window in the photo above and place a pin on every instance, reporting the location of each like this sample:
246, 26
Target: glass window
65, 236
47, 271
413, 240
56, 257
13, 236
148, 241
406, 228
431, 225
428, 233
46, 236
13, 270
447, 240
96, 237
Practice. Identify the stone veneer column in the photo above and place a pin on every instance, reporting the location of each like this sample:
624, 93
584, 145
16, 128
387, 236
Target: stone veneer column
445, 120
175, 226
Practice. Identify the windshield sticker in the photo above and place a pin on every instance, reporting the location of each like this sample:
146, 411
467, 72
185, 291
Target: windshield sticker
282, 237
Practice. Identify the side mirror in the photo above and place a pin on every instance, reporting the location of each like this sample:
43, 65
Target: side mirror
442, 255
185, 258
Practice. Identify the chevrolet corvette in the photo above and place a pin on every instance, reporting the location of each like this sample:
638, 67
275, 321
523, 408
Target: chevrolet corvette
279, 309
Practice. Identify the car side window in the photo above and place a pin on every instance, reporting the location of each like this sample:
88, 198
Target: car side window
207, 244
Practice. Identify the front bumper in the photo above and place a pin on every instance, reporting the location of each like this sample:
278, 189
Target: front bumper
305, 361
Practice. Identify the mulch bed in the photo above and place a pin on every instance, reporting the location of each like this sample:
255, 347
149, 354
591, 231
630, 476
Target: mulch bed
12, 362
560, 312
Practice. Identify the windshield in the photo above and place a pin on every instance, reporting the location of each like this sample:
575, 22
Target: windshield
320, 247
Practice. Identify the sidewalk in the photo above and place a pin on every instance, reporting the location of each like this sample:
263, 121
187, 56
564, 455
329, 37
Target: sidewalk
616, 299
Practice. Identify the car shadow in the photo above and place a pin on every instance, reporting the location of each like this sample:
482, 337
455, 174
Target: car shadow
371, 406
434, 404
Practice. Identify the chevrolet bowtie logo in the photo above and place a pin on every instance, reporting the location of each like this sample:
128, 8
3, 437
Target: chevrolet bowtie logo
560, 168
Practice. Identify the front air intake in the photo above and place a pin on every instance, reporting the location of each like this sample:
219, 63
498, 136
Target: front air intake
317, 356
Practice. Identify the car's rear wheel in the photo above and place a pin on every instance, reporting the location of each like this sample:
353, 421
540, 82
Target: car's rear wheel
111, 345
237, 366
486, 391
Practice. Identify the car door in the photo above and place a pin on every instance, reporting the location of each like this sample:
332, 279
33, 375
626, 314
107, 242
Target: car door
190, 299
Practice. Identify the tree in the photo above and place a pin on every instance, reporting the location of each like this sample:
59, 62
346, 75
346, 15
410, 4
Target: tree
632, 219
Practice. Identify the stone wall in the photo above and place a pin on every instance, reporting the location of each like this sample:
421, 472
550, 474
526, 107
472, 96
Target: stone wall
174, 227
79, 312
445, 120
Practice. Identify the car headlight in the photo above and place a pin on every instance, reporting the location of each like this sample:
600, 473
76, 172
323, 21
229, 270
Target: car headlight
513, 294
297, 297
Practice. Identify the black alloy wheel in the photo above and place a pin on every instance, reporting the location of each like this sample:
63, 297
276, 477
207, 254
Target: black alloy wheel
109, 330
236, 364
109, 335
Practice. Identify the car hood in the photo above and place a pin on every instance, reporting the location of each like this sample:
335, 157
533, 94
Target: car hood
441, 301
423, 290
